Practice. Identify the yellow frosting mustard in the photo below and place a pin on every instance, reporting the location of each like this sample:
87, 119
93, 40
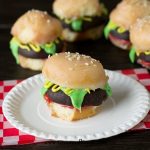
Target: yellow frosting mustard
47, 84
36, 48
68, 21
24, 47
55, 88
67, 91
49, 48
87, 19
138, 52
121, 30
147, 52
88, 90
76, 95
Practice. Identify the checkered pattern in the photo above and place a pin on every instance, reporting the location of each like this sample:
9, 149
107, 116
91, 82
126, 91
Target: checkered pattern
8, 134
11, 136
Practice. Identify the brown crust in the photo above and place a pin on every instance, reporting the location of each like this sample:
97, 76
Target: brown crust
72, 114
30, 63
36, 27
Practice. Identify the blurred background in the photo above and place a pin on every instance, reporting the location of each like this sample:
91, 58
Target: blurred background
110, 56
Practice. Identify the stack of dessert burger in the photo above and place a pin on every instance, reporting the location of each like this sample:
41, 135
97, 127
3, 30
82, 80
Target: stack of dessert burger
35, 36
140, 39
81, 19
122, 17
75, 86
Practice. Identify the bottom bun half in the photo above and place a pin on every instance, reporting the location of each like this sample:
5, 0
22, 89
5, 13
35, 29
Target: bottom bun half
72, 114
125, 45
91, 34
31, 63
143, 63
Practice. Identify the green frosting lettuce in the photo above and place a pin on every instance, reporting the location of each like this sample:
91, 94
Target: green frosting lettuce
49, 48
14, 45
77, 95
110, 26
132, 54
77, 25
108, 89
43, 90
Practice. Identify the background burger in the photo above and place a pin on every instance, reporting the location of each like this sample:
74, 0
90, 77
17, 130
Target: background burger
81, 19
122, 17
35, 36
140, 39
77, 90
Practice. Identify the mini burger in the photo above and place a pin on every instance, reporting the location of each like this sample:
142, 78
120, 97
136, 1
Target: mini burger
35, 36
75, 87
140, 39
122, 17
81, 19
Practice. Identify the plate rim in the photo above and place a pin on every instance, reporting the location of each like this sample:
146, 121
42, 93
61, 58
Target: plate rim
95, 136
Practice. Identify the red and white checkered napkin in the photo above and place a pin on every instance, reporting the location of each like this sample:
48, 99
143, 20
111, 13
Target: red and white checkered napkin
11, 136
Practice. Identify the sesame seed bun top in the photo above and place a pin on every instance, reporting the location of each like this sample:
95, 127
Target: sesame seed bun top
128, 11
76, 8
36, 27
73, 70
140, 34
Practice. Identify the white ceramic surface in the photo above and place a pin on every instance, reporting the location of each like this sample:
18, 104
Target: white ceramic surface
25, 109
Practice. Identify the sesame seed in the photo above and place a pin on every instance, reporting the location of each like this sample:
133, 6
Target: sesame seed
87, 64
94, 59
70, 68
45, 12
78, 57
48, 21
70, 59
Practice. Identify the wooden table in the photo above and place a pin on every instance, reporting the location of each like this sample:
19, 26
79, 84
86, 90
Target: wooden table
111, 57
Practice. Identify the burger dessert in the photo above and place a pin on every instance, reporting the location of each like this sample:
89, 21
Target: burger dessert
75, 86
140, 39
35, 36
81, 19
122, 17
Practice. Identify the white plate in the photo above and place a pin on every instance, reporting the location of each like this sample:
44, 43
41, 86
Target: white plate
25, 109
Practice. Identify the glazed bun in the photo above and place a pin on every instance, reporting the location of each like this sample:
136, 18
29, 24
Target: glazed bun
73, 70
73, 114
36, 27
127, 11
76, 8
91, 34
140, 34
31, 63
